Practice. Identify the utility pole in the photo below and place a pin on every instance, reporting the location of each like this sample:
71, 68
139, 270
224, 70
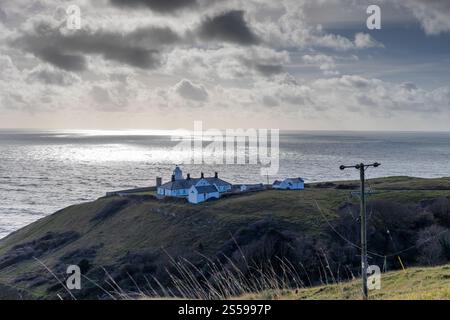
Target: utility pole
362, 169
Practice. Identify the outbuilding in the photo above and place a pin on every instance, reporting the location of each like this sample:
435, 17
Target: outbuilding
199, 194
289, 184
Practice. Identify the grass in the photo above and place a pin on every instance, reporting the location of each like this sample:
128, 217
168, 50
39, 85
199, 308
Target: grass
177, 226
173, 225
400, 183
412, 284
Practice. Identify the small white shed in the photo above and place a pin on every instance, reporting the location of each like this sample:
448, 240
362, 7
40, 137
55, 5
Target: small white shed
289, 184
199, 194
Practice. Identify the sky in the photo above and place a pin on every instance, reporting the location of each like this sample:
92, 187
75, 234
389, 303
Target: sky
163, 64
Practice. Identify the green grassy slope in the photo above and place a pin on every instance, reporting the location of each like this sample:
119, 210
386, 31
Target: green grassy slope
431, 283
152, 224
400, 183
114, 226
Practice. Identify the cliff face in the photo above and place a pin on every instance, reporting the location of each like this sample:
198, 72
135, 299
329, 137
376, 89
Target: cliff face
135, 242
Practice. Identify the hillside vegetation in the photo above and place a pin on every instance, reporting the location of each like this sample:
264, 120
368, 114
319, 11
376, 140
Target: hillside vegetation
301, 238
432, 283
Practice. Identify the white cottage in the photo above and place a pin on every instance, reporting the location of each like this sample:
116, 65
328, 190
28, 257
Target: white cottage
181, 187
199, 194
289, 184
177, 187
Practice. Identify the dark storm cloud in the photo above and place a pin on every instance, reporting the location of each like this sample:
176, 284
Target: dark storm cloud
3, 15
189, 90
140, 48
268, 69
228, 27
162, 6
265, 68
71, 62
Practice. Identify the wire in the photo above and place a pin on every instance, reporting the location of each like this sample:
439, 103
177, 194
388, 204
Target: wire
374, 253
341, 236
411, 247
419, 244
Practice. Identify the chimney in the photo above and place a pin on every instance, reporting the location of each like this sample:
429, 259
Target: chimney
188, 176
173, 177
216, 174
158, 181
202, 175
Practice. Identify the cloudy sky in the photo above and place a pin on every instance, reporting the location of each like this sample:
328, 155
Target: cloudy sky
161, 64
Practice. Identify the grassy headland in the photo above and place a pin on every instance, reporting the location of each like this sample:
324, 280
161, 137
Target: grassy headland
138, 240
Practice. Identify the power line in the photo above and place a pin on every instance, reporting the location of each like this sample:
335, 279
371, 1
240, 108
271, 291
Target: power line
419, 244
375, 253
343, 237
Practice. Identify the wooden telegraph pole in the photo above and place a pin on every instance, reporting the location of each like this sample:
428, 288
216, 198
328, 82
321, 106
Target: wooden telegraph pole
362, 169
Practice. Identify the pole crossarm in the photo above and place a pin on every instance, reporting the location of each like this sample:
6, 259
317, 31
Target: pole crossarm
361, 165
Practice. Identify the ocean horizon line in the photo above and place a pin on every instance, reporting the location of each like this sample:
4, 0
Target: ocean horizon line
174, 130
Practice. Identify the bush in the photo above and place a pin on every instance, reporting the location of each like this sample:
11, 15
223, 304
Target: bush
434, 244
441, 211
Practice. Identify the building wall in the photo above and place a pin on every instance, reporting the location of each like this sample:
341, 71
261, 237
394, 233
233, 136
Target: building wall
251, 187
195, 197
173, 193
223, 188
298, 185
293, 186
214, 195
185, 192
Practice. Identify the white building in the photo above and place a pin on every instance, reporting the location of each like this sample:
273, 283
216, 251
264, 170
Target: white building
251, 187
289, 184
180, 187
199, 194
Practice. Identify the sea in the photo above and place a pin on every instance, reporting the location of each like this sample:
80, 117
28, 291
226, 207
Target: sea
42, 171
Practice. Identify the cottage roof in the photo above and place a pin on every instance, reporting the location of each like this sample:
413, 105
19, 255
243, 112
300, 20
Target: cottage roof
218, 182
206, 189
187, 183
178, 184
296, 180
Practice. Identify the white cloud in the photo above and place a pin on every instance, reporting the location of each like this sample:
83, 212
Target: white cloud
434, 15
365, 40
208, 79
365, 95
110, 97
325, 63
291, 29
51, 76
225, 63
